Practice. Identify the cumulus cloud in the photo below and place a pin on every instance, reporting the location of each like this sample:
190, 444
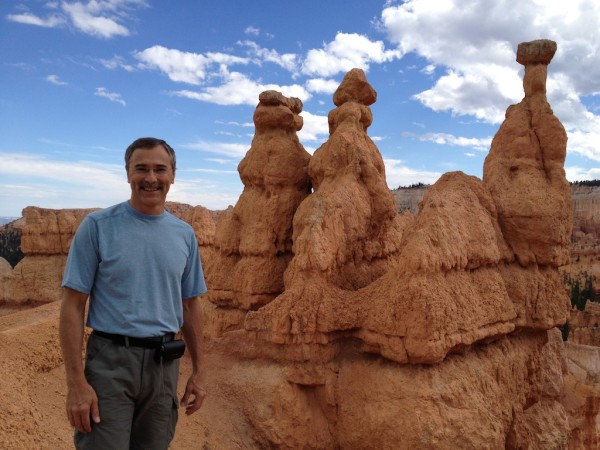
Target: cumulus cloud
575, 173
185, 67
398, 174
315, 128
345, 52
474, 43
112, 96
238, 89
82, 18
322, 86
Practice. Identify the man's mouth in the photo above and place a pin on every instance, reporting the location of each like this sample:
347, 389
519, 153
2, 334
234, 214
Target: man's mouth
150, 188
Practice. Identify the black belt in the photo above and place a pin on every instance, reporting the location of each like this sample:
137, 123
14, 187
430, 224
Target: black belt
149, 342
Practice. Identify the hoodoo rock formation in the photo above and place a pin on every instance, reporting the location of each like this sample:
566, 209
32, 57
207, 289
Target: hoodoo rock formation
253, 242
331, 321
469, 287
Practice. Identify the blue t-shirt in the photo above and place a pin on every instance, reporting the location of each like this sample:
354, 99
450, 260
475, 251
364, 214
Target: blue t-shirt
136, 268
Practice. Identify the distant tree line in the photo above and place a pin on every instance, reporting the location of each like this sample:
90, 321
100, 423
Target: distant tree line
414, 186
586, 183
10, 245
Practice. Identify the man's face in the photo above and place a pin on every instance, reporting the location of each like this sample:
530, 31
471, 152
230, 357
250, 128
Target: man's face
150, 175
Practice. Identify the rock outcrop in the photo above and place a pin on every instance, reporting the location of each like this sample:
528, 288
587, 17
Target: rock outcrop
471, 281
45, 239
46, 235
253, 243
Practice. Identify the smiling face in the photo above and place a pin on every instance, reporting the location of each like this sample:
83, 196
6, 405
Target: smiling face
150, 175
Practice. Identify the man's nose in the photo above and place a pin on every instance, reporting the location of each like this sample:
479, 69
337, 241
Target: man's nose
151, 175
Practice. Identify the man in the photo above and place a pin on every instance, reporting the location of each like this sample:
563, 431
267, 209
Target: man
140, 268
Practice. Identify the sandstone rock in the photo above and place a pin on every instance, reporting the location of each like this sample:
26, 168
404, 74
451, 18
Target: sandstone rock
355, 88
524, 172
541, 51
36, 279
253, 243
50, 231
581, 394
45, 240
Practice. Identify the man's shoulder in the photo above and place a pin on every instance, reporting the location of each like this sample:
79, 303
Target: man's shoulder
177, 222
108, 213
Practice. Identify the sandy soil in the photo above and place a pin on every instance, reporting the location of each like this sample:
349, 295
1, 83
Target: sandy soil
32, 392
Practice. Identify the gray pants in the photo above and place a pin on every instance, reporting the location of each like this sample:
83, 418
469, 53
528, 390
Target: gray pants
137, 397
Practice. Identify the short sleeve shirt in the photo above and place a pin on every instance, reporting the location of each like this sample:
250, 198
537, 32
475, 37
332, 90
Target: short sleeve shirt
136, 268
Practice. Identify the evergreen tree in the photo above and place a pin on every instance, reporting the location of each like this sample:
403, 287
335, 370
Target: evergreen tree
10, 246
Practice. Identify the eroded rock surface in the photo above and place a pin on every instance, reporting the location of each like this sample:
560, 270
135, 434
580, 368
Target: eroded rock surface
474, 273
253, 243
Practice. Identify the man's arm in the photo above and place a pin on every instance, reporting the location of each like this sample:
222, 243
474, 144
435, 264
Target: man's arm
82, 401
191, 334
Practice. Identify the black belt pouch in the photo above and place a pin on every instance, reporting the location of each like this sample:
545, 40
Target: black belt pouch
168, 351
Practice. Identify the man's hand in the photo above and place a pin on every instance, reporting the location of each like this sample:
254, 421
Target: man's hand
82, 404
193, 396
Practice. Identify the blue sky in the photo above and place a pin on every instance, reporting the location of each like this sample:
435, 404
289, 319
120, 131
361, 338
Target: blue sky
82, 80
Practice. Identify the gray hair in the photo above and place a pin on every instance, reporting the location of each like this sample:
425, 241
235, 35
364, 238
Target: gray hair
147, 143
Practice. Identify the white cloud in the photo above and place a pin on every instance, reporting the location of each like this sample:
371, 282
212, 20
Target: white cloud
52, 21
186, 67
117, 62
322, 86
238, 89
476, 41
99, 18
398, 174
288, 61
44, 182
252, 30
234, 150
575, 173
83, 18
235, 124
345, 52
315, 128
475, 93
55, 79
429, 69
112, 96
39, 181
480, 144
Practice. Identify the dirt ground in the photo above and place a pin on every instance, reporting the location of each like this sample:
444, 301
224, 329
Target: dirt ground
32, 392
